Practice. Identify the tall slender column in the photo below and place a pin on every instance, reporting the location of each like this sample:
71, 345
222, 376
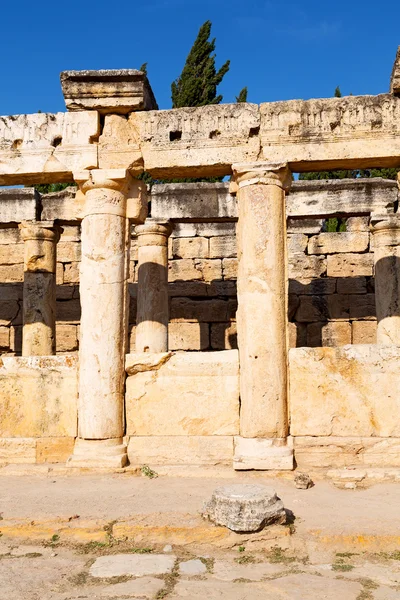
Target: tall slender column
386, 236
105, 234
262, 316
152, 296
39, 300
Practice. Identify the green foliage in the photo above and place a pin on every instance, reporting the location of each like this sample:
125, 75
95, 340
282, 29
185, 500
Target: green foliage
242, 95
198, 82
143, 68
338, 93
48, 188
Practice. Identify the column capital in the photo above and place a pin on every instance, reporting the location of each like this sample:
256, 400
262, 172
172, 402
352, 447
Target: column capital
267, 173
112, 191
40, 230
386, 230
153, 232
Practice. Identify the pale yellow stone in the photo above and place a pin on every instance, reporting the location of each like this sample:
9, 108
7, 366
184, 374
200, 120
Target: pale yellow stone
38, 396
210, 269
229, 268
158, 398
11, 254
334, 333
301, 266
68, 252
350, 265
188, 336
119, 144
66, 338
12, 273
18, 450
196, 247
347, 391
363, 332
54, 450
4, 337
71, 272
183, 270
296, 243
181, 450
331, 243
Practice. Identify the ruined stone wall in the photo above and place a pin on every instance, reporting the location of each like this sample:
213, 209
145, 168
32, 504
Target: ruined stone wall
331, 283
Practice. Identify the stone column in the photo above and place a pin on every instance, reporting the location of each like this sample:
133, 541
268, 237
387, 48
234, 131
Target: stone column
262, 316
105, 234
39, 300
386, 238
152, 295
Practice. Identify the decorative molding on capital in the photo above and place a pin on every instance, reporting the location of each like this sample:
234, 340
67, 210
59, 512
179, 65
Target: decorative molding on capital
40, 230
266, 173
112, 192
386, 230
153, 232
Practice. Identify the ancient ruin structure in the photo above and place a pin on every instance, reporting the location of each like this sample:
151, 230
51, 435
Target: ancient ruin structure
184, 300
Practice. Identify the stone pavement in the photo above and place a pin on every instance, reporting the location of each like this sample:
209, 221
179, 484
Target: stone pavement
98, 571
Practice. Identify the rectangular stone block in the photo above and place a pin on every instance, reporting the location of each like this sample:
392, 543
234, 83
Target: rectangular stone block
181, 450
210, 269
296, 243
347, 391
18, 204
47, 148
364, 332
188, 336
183, 270
196, 247
187, 288
4, 338
66, 338
357, 224
362, 307
323, 308
335, 333
323, 134
65, 205
18, 450
38, 396
11, 291
54, 450
307, 226
11, 254
262, 454
68, 252
206, 140
211, 311
350, 265
201, 201
116, 91
223, 247
229, 268
351, 285
70, 233
301, 266
297, 333
216, 229
331, 243
12, 273
224, 336
337, 452
222, 288
312, 287
10, 235
68, 310
202, 389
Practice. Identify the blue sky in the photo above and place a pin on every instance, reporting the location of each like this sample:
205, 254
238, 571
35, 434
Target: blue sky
279, 49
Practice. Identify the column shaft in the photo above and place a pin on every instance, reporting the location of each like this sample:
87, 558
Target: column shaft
152, 296
262, 316
39, 300
386, 233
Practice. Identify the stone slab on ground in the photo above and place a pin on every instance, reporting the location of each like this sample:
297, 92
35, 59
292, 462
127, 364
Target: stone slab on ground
192, 567
135, 565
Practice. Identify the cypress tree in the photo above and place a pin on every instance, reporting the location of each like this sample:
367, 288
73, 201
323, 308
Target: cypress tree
198, 82
242, 95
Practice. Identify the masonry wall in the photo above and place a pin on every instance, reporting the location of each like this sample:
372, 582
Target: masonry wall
331, 285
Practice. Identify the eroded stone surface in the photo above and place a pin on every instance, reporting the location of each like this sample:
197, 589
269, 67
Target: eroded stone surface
137, 565
192, 567
244, 507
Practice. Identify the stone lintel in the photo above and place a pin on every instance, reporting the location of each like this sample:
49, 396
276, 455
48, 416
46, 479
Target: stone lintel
263, 454
107, 91
19, 204
395, 78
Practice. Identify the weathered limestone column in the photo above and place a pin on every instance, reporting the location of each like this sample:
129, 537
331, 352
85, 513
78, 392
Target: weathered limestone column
152, 295
105, 234
39, 300
386, 235
262, 316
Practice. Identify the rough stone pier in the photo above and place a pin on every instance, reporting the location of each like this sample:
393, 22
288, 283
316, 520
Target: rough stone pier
200, 325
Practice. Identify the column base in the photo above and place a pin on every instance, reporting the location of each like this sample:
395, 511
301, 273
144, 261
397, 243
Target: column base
263, 454
99, 453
